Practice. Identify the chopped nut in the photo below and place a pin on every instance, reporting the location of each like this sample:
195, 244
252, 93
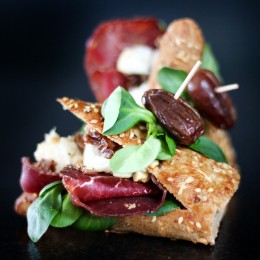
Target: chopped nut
198, 225
180, 219
141, 176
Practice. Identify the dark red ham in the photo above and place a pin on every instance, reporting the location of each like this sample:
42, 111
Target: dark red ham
35, 176
105, 45
106, 195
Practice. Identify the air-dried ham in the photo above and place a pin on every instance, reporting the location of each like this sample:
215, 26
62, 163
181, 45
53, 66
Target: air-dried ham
106, 195
35, 176
105, 45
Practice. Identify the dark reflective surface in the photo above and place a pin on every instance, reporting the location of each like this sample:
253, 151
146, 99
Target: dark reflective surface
238, 239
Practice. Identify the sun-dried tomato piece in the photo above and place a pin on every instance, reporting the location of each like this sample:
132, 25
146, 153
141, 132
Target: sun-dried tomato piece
35, 176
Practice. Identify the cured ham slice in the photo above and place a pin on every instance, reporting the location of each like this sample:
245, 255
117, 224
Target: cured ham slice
106, 195
35, 176
105, 45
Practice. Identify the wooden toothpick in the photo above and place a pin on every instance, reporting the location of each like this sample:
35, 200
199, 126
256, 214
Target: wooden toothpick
187, 79
226, 88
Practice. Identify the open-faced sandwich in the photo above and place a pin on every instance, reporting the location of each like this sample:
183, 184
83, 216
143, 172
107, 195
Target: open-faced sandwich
161, 165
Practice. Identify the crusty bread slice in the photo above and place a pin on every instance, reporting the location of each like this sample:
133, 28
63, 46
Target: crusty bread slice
203, 186
181, 46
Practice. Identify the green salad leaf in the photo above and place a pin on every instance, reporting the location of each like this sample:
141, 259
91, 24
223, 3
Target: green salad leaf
90, 222
208, 148
171, 79
111, 109
168, 147
68, 213
121, 113
135, 157
209, 61
42, 211
167, 207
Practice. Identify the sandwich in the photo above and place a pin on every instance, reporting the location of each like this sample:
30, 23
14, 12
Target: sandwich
160, 166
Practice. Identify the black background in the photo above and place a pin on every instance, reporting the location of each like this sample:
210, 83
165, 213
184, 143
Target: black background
41, 58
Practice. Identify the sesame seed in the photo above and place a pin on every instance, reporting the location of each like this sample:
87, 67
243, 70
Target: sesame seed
180, 219
198, 225
93, 121
139, 141
87, 109
170, 179
204, 198
131, 135
198, 190
154, 219
189, 179
191, 222
92, 105
96, 110
182, 188
70, 105
76, 105
210, 190
122, 135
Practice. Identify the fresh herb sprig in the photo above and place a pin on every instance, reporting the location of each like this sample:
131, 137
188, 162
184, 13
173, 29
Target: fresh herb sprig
208, 148
209, 61
170, 79
159, 145
54, 208
121, 113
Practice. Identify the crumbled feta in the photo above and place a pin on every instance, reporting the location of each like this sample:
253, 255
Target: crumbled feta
137, 59
62, 150
93, 159
137, 92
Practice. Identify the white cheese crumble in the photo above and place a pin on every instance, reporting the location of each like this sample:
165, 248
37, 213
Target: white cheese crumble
62, 150
137, 59
137, 92
93, 159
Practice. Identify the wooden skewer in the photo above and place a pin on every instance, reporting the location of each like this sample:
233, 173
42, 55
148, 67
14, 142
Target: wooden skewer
226, 88
187, 79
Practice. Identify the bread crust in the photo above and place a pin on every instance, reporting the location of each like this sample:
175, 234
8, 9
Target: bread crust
181, 47
203, 186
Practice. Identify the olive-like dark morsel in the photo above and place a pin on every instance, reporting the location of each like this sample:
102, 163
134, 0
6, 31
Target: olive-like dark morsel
216, 107
178, 117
